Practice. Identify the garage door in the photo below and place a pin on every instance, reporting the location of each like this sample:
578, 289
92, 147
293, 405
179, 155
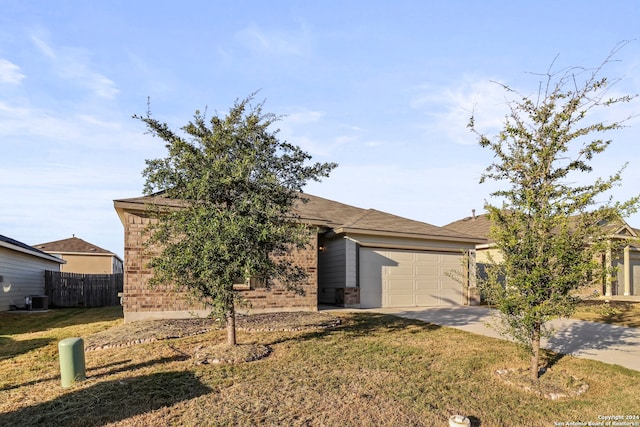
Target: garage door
634, 275
397, 278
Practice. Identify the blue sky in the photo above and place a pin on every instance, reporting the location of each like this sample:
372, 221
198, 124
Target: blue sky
383, 88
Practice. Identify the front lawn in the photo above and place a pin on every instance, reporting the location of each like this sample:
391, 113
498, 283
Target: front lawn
622, 313
373, 369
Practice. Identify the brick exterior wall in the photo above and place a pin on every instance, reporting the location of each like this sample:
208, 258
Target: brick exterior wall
348, 297
352, 297
141, 302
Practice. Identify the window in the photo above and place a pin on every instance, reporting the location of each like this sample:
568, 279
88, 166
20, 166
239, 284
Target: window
255, 282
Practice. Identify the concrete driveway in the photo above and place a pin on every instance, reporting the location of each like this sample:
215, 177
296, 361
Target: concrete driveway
617, 345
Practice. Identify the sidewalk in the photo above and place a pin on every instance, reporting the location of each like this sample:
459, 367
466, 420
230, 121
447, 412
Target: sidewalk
617, 345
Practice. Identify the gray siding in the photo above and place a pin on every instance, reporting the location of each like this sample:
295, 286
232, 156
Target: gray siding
23, 275
351, 267
331, 270
117, 266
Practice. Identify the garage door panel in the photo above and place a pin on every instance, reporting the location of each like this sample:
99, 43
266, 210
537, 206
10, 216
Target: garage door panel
446, 267
399, 300
401, 257
402, 270
410, 278
398, 285
450, 285
431, 270
424, 284
421, 260
427, 300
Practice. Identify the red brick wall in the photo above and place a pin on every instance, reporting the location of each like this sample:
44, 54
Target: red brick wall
139, 298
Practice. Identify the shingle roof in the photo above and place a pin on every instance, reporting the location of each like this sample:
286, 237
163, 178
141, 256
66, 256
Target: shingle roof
321, 211
341, 217
72, 244
374, 220
480, 225
477, 226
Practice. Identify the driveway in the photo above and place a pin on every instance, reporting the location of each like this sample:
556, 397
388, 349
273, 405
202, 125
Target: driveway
617, 345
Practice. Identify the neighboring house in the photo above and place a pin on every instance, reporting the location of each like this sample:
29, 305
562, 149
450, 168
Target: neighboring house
22, 270
83, 257
625, 281
355, 257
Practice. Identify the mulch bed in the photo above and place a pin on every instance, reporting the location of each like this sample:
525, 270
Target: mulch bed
144, 332
553, 385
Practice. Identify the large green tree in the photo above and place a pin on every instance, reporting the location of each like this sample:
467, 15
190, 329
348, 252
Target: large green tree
549, 215
237, 184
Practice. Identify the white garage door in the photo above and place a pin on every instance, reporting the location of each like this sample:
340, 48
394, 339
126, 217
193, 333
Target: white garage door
397, 278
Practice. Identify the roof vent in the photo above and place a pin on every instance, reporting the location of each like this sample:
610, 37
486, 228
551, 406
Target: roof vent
473, 213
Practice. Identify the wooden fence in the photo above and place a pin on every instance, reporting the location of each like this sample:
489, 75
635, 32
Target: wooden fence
82, 290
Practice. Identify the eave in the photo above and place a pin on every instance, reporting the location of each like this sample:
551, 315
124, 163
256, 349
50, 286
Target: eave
32, 253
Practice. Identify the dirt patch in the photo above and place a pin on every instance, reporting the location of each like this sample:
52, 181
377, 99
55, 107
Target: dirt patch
144, 332
553, 384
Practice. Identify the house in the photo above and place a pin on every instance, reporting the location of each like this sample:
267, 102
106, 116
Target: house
625, 281
83, 257
356, 257
22, 270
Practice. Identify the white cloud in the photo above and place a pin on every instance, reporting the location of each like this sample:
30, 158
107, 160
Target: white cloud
74, 65
314, 132
94, 121
449, 108
304, 116
26, 122
43, 47
13, 110
10, 73
285, 43
374, 144
102, 86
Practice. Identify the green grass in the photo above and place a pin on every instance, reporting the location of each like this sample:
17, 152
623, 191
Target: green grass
373, 370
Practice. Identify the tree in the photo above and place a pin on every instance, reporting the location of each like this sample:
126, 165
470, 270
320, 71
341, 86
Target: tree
236, 183
548, 227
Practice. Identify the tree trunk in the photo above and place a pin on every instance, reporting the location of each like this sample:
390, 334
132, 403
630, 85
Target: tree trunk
230, 320
535, 356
